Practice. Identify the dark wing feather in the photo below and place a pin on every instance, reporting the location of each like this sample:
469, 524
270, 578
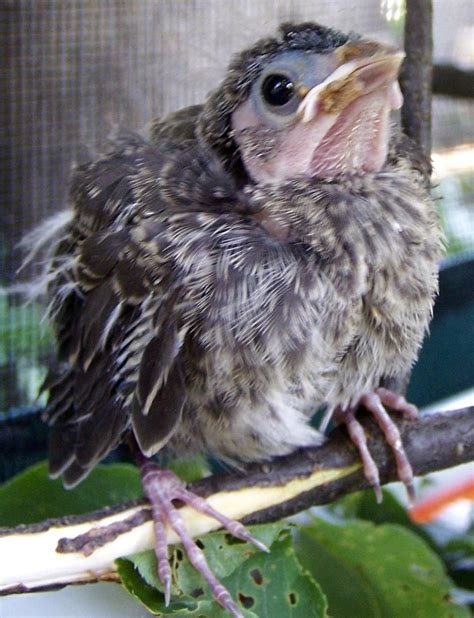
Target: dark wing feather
105, 318
154, 429
160, 392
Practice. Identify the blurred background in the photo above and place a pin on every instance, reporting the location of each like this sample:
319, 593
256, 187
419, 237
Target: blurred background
74, 71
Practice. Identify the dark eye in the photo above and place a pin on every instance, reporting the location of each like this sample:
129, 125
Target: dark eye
277, 90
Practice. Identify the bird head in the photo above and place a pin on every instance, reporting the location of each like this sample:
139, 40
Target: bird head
313, 102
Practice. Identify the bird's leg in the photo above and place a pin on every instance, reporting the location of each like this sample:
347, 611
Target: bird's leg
162, 487
375, 402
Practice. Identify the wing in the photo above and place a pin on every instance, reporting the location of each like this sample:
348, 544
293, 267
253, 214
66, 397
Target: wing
105, 321
116, 302
177, 126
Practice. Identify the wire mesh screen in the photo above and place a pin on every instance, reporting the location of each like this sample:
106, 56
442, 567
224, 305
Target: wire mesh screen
74, 71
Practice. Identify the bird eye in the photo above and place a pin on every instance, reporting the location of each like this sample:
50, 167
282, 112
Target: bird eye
278, 90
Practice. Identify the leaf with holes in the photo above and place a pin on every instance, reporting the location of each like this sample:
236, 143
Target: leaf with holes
275, 585
224, 554
264, 585
370, 571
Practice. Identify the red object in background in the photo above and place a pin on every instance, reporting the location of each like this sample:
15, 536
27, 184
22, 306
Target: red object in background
429, 508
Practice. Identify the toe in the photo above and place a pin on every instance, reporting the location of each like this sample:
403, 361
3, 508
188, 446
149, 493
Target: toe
357, 436
372, 402
161, 488
398, 403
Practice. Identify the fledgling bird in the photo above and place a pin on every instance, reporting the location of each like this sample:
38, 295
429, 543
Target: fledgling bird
259, 256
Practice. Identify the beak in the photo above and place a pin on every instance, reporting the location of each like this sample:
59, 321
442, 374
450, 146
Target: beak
365, 67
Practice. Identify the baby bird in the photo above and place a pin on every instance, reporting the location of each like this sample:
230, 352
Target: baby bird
259, 256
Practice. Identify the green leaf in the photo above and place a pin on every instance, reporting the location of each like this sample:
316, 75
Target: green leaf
363, 505
284, 590
224, 554
456, 549
143, 592
370, 571
458, 554
264, 585
190, 470
31, 496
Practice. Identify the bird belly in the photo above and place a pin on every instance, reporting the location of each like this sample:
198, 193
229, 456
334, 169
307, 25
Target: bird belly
250, 412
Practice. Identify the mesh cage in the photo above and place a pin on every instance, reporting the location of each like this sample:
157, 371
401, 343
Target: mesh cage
74, 71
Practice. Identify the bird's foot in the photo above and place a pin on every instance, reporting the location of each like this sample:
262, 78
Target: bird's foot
375, 402
161, 488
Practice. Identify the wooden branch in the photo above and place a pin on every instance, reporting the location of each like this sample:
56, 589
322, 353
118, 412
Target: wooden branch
416, 74
453, 81
416, 84
81, 549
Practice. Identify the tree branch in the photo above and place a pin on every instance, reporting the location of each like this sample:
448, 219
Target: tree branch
416, 74
453, 81
82, 549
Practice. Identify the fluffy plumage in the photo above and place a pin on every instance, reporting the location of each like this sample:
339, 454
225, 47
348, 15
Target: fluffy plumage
204, 311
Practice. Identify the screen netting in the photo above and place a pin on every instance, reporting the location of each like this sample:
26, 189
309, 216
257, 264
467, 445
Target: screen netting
74, 71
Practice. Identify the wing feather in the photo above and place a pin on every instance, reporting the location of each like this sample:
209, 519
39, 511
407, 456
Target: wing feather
109, 336
160, 392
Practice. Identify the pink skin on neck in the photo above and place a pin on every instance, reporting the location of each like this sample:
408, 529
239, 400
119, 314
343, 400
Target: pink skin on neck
329, 144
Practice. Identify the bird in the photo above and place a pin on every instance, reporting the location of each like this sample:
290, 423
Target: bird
250, 260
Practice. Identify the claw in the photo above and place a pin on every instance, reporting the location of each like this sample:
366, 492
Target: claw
411, 493
166, 581
161, 488
378, 493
